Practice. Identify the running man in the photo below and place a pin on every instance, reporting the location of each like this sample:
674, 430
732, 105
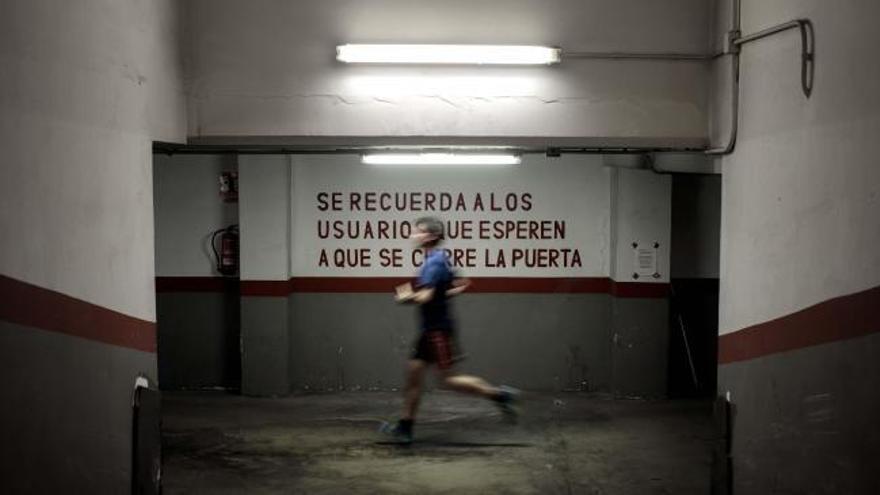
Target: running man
436, 284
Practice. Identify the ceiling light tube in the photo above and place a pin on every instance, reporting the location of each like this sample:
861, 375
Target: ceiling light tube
448, 54
440, 159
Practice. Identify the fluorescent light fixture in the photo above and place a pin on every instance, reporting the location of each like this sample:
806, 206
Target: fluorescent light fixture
440, 159
448, 54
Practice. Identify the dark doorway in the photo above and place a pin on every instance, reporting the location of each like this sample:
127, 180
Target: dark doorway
693, 309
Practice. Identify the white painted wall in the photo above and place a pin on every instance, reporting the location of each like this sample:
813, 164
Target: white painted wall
570, 189
802, 191
85, 87
264, 217
267, 68
641, 214
188, 209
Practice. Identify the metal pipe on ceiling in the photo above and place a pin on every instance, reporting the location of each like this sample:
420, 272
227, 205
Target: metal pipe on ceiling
736, 41
808, 44
734, 111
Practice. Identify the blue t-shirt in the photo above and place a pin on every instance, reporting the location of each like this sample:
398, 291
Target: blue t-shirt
437, 274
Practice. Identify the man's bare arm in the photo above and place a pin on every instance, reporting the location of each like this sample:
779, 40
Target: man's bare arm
459, 285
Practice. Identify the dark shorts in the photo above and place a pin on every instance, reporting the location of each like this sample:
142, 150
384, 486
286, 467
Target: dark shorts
436, 346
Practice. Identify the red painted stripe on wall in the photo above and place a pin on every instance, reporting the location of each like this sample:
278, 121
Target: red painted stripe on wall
841, 318
273, 288
196, 284
580, 285
345, 284
32, 306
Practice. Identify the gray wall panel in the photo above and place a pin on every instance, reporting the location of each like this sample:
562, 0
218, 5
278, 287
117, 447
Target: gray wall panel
535, 341
66, 421
348, 341
264, 344
538, 341
640, 343
806, 420
198, 337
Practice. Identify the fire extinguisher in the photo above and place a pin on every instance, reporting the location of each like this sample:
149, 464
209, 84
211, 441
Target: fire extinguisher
227, 258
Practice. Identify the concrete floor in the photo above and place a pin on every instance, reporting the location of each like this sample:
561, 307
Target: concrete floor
565, 443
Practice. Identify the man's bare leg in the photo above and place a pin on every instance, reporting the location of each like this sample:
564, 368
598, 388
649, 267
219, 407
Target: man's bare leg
412, 394
402, 431
468, 384
504, 397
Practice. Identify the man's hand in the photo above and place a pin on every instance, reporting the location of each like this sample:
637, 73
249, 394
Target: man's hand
403, 292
